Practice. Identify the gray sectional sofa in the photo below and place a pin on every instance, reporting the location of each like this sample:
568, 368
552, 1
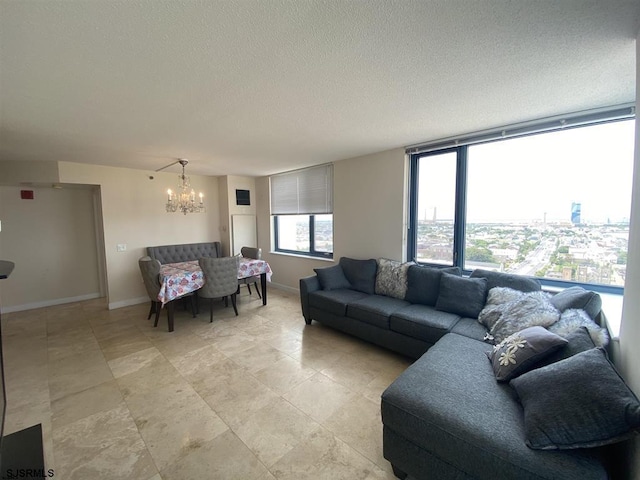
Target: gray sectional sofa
447, 416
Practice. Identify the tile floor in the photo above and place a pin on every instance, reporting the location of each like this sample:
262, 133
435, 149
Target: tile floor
258, 396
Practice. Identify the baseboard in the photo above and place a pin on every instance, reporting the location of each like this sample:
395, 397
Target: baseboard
286, 288
49, 303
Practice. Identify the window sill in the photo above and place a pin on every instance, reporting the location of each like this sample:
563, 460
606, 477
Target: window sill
301, 255
612, 309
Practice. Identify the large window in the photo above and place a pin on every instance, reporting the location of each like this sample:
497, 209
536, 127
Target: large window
302, 209
553, 205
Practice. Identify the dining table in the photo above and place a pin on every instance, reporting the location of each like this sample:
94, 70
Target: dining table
182, 278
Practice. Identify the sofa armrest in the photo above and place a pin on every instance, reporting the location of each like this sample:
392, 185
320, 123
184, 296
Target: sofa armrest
307, 285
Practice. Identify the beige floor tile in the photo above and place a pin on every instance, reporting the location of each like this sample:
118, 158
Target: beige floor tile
258, 357
157, 373
233, 393
76, 373
319, 397
358, 423
274, 430
322, 456
197, 364
124, 344
175, 346
78, 405
173, 420
284, 375
133, 362
104, 445
223, 458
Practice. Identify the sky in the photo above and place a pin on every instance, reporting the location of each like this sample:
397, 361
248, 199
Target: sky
522, 179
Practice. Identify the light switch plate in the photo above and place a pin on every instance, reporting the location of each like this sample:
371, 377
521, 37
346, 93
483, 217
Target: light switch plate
121, 247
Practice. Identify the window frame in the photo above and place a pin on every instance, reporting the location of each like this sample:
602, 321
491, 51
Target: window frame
312, 250
459, 230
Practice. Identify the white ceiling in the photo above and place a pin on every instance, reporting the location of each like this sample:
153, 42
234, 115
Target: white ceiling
254, 87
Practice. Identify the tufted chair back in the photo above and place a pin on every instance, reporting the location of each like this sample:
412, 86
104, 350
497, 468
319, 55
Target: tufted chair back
251, 252
150, 270
220, 276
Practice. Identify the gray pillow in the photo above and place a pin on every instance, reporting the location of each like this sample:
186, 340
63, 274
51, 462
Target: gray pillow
423, 283
499, 279
579, 402
577, 341
578, 297
360, 273
521, 351
332, 278
460, 295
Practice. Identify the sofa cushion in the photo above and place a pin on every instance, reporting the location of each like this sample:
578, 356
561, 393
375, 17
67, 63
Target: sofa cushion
423, 283
499, 279
449, 404
520, 352
334, 301
579, 402
332, 278
360, 273
578, 297
423, 322
375, 309
463, 296
470, 327
391, 278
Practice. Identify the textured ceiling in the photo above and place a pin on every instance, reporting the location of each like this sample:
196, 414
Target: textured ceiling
254, 87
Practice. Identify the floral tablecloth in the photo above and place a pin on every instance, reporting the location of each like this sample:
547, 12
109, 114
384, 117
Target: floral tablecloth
180, 278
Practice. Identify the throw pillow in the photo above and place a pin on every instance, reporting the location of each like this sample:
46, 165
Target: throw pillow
578, 297
519, 311
391, 279
499, 279
462, 296
332, 278
572, 319
577, 341
360, 273
579, 402
423, 283
519, 352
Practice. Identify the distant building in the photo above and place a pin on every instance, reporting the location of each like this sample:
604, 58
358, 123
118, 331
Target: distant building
575, 213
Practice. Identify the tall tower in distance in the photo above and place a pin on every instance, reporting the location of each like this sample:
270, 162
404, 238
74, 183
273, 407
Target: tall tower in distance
576, 208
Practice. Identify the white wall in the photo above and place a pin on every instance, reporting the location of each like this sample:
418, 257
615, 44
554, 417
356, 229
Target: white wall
52, 241
133, 214
227, 193
369, 199
629, 361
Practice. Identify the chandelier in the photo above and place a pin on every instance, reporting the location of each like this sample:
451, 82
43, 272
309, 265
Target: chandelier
184, 199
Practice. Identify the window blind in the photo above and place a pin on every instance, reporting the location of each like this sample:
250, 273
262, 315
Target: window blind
303, 192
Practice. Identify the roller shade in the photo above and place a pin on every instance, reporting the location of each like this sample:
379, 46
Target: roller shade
303, 192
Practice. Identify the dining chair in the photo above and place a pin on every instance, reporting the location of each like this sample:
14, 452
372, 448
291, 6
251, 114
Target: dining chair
251, 252
150, 270
220, 280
